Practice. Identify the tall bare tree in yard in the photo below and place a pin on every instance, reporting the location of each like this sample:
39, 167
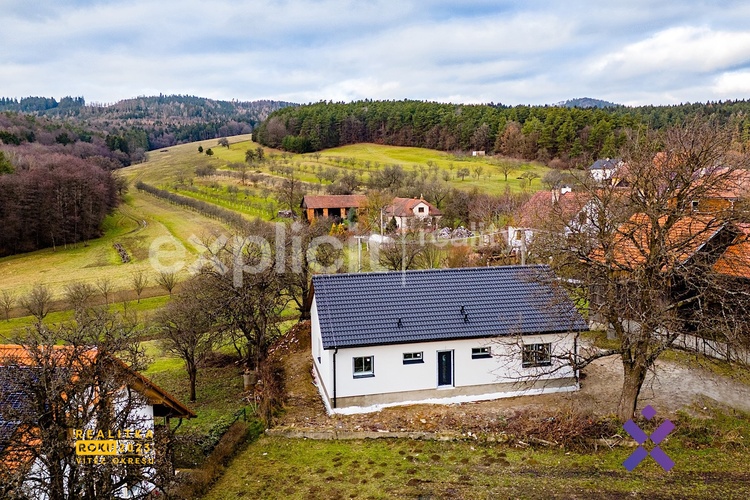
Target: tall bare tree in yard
187, 326
79, 295
167, 280
298, 268
647, 254
248, 298
139, 281
406, 252
106, 288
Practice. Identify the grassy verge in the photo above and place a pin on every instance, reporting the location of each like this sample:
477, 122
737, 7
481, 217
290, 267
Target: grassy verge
274, 467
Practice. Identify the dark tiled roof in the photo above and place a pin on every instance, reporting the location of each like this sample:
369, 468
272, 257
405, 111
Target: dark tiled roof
365, 309
606, 164
13, 402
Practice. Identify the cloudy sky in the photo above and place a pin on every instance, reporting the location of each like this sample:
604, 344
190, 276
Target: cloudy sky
514, 52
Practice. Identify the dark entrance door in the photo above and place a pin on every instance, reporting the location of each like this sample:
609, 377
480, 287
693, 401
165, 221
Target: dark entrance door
445, 368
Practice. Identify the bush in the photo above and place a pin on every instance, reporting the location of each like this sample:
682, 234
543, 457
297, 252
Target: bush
196, 483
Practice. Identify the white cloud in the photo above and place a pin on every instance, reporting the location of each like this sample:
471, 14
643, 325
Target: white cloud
644, 51
733, 84
681, 49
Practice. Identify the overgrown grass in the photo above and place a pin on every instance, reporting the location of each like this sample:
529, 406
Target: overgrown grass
275, 467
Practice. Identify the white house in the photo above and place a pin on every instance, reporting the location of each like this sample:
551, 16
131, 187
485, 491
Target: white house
605, 169
440, 336
411, 213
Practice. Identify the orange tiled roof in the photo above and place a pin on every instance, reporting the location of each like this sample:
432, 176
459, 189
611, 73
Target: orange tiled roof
685, 238
20, 355
735, 261
334, 201
730, 185
404, 207
540, 205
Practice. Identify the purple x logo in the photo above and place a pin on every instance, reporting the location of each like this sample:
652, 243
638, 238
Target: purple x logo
641, 437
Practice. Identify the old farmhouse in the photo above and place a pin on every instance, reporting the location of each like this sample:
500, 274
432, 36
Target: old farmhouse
441, 336
333, 206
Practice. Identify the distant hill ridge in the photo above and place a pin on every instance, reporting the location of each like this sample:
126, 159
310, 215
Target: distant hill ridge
152, 122
587, 102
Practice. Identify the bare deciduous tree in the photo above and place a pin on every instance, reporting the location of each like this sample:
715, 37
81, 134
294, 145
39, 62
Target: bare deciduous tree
404, 253
37, 302
79, 295
7, 302
188, 328
167, 280
105, 287
61, 388
645, 257
139, 280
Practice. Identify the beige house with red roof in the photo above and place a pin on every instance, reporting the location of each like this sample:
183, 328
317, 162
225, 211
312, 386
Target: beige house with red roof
413, 213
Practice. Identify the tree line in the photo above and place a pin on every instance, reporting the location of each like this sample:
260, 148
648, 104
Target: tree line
572, 136
51, 200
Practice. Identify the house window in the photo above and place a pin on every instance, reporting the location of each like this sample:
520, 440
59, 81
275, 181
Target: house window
480, 352
536, 355
412, 358
363, 367
518, 234
420, 210
694, 205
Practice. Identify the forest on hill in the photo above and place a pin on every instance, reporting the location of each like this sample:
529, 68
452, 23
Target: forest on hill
557, 135
154, 122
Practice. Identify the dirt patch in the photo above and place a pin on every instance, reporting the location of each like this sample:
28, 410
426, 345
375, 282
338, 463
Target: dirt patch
670, 387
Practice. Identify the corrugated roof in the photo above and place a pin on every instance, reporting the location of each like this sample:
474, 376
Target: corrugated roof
334, 201
441, 304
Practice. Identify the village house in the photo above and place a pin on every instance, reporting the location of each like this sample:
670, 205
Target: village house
413, 213
441, 336
608, 169
139, 403
333, 206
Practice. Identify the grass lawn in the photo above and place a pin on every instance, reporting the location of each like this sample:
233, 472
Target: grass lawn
275, 467
218, 388
142, 309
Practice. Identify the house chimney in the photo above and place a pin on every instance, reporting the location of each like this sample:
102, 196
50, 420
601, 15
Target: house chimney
566, 190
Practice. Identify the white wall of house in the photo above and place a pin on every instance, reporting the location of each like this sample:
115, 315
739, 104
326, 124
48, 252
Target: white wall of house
392, 376
518, 237
404, 221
